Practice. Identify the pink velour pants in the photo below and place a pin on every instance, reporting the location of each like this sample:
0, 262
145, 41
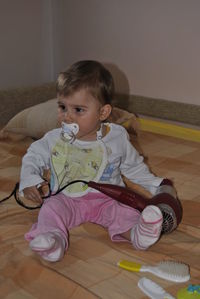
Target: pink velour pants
61, 213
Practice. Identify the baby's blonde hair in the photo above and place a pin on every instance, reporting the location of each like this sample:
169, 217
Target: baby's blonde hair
88, 74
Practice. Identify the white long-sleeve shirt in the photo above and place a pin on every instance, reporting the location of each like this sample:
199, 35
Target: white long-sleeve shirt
103, 160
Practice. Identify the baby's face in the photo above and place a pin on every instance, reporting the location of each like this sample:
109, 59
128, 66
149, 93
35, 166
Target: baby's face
83, 109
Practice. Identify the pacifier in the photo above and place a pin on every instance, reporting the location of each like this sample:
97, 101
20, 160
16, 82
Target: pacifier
69, 131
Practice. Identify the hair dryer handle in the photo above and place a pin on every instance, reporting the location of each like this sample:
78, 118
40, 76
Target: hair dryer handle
121, 194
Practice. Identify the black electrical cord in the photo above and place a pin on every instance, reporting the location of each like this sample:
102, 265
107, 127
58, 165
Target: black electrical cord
22, 204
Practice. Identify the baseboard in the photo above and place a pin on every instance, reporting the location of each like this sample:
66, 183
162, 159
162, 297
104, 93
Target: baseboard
16, 99
159, 108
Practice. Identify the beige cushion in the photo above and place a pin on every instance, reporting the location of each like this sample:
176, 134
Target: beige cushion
37, 120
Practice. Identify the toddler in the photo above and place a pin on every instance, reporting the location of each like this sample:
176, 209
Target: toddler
88, 148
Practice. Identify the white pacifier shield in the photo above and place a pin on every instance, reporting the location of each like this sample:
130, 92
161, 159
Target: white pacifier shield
69, 130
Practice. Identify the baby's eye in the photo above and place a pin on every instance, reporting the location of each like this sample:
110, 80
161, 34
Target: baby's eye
61, 107
79, 109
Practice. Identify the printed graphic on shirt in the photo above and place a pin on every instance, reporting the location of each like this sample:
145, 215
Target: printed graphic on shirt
113, 165
71, 162
107, 174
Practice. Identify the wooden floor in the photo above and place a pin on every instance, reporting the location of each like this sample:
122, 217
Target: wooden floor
176, 159
89, 268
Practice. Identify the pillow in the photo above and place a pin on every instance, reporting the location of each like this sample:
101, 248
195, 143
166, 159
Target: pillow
41, 118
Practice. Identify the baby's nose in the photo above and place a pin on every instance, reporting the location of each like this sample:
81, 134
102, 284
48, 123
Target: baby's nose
68, 117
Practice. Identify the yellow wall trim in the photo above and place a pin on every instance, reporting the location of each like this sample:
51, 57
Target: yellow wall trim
169, 129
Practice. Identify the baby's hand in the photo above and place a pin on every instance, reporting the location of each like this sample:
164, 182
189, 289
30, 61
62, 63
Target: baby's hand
33, 193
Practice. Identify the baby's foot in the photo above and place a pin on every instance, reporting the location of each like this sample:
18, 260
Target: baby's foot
50, 245
148, 230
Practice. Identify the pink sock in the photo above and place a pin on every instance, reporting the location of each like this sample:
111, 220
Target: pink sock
148, 230
50, 245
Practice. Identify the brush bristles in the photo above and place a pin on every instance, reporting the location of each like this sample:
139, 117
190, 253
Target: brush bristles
176, 270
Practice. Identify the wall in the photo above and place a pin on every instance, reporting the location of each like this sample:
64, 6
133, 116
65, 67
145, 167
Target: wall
154, 43
151, 46
26, 56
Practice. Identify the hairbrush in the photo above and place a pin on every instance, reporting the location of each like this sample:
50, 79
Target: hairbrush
169, 270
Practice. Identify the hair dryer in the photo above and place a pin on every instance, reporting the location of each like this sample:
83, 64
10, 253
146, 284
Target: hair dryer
169, 205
